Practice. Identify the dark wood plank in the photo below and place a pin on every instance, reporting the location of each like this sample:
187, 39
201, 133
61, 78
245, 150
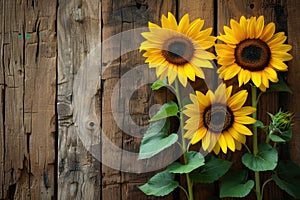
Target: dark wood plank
272, 11
120, 16
293, 75
204, 10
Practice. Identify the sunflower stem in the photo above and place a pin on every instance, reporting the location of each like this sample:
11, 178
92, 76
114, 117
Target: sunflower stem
255, 143
184, 148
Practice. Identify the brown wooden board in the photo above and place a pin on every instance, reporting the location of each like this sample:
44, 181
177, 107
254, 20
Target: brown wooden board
79, 33
27, 99
57, 85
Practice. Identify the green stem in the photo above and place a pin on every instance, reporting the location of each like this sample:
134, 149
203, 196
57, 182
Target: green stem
185, 150
255, 143
263, 186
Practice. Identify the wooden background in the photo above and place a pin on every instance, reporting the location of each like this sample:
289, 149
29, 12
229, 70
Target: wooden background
43, 45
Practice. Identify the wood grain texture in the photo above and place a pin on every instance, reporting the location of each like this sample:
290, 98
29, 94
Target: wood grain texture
273, 11
79, 33
205, 10
292, 102
27, 99
120, 16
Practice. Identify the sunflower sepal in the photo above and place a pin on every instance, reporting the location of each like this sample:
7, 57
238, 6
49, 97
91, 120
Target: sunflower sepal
265, 160
160, 184
260, 124
235, 184
194, 161
213, 170
168, 109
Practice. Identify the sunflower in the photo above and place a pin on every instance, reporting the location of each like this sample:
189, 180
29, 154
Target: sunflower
252, 51
218, 119
178, 50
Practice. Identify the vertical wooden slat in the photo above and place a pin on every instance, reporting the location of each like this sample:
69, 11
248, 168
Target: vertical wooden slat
79, 34
272, 11
27, 82
293, 13
119, 16
204, 10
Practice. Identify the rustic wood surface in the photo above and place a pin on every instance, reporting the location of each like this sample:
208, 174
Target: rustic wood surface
57, 82
27, 99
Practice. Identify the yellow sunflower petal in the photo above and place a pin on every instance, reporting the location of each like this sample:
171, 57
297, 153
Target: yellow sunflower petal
268, 32
189, 71
278, 38
241, 129
229, 141
206, 141
181, 76
222, 143
237, 100
195, 27
278, 64
228, 91
282, 56
246, 110
166, 23
217, 149
237, 30
202, 99
239, 137
198, 72
172, 73
238, 145
259, 26
184, 24
256, 78
198, 135
271, 74
231, 71
244, 120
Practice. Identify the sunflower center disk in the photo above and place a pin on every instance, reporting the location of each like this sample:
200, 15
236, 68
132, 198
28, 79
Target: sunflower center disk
218, 118
252, 54
178, 50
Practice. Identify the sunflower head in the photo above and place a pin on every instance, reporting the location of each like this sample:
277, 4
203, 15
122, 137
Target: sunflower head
178, 49
218, 119
252, 51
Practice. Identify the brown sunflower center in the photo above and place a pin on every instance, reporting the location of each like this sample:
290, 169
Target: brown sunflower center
252, 54
178, 50
218, 118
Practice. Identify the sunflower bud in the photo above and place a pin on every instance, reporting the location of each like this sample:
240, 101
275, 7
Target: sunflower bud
281, 126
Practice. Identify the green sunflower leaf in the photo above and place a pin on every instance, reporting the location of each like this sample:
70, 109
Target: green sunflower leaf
159, 84
167, 110
280, 86
160, 185
213, 169
266, 159
287, 177
235, 184
156, 139
194, 160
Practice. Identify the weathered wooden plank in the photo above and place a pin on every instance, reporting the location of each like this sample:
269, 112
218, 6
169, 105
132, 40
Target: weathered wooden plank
120, 16
293, 25
79, 34
28, 75
204, 10
273, 11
